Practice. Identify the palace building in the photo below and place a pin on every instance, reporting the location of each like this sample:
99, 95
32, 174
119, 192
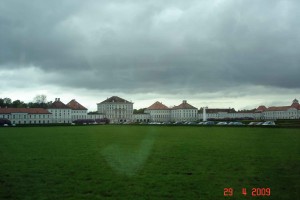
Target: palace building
26, 115
116, 109
119, 110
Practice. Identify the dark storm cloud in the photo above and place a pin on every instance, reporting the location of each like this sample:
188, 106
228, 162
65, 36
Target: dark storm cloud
147, 46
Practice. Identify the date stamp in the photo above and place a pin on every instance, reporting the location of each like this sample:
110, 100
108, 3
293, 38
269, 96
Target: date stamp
255, 192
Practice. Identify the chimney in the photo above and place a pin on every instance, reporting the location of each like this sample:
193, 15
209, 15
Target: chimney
58, 99
184, 101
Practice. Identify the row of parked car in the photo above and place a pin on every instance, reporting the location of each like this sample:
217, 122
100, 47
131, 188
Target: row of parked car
270, 123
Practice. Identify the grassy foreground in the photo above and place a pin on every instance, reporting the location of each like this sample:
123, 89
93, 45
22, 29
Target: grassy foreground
148, 162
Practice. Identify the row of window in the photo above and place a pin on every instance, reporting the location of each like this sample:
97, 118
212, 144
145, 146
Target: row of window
185, 115
185, 111
79, 111
161, 116
59, 111
22, 116
32, 122
280, 113
109, 106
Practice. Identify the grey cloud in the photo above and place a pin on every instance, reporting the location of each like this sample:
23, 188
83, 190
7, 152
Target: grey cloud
147, 46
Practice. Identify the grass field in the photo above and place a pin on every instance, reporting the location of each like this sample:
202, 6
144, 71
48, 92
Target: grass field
148, 162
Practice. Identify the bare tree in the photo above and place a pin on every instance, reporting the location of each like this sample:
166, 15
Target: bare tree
40, 99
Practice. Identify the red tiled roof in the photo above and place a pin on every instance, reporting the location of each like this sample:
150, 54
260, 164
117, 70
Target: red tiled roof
74, 105
24, 110
184, 105
158, 106
261, 108
115, 99
279, 108
57, 104
296, 105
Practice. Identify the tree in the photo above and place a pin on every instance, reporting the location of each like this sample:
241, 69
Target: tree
18, 104
7, 102
139, 111
1, 103
40, 99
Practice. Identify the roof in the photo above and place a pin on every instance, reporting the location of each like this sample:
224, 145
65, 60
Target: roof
158, 106
279, 108
218, 110
296, 104
24, 110
184, 105
57, 104
261, 108
74, 105
115, 99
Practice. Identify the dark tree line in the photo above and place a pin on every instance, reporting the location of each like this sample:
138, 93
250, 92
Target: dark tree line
40, 101
139, 111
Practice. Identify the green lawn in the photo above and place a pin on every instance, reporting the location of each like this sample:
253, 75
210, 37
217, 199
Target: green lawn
148, 162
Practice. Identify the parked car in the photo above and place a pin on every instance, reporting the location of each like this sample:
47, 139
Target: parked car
238, 123
200, 123
177, 123
269, 123
252, 123
259, 123
209, 123
222, 123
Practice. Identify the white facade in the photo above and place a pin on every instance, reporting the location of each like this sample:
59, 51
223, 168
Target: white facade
95, 116
141, 117
184, 112
291, 113
78, 111
116, 109
78, 114
61, 113
26, 115
159, 115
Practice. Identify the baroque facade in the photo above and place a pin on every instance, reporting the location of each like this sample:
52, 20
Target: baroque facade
158, 112
119, 110
116, 109
61, 113
26, 115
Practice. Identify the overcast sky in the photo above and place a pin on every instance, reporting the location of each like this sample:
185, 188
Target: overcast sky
216, 53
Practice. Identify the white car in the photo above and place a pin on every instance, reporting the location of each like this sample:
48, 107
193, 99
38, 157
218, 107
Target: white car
269, 123
221, 123
259, 123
